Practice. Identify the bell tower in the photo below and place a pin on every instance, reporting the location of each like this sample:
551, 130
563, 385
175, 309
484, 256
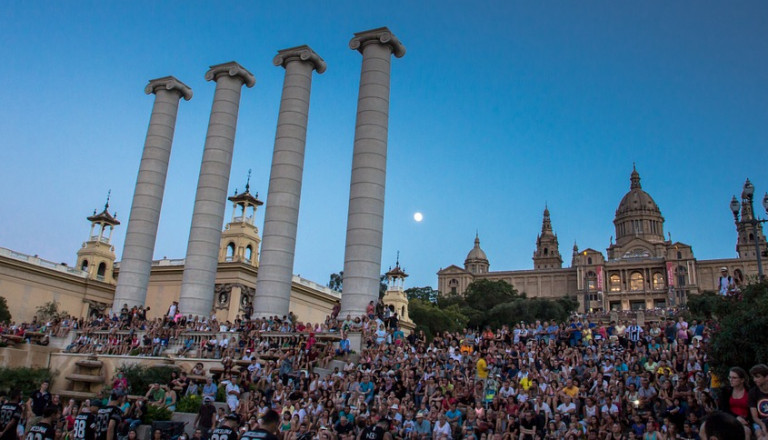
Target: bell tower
97, 256
240, 239
547, 253
395, 295
747, 229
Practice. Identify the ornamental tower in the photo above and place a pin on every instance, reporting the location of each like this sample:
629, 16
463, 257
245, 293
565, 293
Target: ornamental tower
97, 256
547, 253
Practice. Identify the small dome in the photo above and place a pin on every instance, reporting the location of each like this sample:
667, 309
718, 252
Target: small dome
476, 253
636, 200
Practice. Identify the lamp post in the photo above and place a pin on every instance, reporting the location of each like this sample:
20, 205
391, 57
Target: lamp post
749, 192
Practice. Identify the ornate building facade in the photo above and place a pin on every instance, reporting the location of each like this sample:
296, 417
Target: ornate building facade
640, 270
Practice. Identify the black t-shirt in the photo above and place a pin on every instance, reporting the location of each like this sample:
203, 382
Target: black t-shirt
206, 416
39, 401
10, 413
344, 429
103, 417
41, 431
375, 432
223, 433
759, 400
84, 427
258, 434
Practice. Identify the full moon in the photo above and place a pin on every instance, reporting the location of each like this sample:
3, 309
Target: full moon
418, 216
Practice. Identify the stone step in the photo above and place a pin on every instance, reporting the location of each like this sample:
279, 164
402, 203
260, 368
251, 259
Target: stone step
89, 363
89, 378
81, 395
337, 364
322, 372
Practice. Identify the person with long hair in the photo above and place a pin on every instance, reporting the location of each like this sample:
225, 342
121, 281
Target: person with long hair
734, 399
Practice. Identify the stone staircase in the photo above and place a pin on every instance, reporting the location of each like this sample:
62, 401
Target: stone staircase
323, 372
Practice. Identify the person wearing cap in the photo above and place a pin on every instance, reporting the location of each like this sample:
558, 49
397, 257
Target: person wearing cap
228, 428
726, 284
206, 417
422, 427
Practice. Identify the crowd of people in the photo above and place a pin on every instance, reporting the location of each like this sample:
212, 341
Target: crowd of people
540, 380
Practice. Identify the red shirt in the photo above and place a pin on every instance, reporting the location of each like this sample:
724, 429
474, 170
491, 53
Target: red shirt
740, 407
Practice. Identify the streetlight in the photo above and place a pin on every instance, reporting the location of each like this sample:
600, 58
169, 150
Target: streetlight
586, 286
749, 192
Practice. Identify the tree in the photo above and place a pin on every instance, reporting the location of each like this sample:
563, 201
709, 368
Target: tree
337, 281
50, 311
426, 294
5, 314
741, 339
432, 319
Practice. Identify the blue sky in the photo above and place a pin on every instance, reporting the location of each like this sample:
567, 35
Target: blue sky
496, 109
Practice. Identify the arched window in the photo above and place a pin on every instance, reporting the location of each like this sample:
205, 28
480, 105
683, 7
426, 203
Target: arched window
230, 252
546, 251
453, 285
589, 260
248, 253
101, 271
751, 237
636, 282
591, 280
615, 283
679, 255
681, 275
84, 266
658, 281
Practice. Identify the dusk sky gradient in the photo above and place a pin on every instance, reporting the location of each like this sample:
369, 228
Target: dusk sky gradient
497, 109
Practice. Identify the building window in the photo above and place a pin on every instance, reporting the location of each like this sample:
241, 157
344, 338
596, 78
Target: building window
453, 284
681, 275
679, 255
591, 281
101, 271
658, 281
636, 282
230, 252
84, 266
615, 283
546, 251
248, 253
589, 260
615, 305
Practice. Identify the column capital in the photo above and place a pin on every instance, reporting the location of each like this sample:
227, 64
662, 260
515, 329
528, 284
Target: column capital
168, 83
232, 69
299, 53
380, 35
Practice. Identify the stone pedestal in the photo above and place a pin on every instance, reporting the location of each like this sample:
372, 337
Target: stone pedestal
148, 195
208, 216
365, 219
273, 286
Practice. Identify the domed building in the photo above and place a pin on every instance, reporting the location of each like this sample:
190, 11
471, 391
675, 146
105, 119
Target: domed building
640, 270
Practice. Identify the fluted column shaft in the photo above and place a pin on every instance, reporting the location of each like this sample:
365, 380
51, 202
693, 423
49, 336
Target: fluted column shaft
140, 236
201, 262
365, 220
273, 286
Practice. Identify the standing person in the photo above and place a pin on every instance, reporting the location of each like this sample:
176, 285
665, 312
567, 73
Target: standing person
206, 417
758, 398
85, 425
10, 416
37, 403
634, 332
726, 285
228, 428
45, 429
110, 416
270, 422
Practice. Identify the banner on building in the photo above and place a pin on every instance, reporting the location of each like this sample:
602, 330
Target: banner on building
599, 278
671, 273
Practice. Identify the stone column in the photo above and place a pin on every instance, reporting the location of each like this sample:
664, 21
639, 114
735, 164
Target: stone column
365, 219
148, 196
208, 216
273, 285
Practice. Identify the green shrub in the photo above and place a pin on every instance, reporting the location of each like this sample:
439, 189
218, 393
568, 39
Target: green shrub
156, 414
189, 404
27, 380
221, 393
140, 377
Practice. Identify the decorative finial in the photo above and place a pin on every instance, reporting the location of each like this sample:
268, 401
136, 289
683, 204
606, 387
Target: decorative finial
397, 261
109, 194
235, 191
633, 167
248, 181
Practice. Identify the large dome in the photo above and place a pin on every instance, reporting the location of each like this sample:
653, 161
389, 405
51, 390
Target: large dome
636, 200
476, 253
638, 215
